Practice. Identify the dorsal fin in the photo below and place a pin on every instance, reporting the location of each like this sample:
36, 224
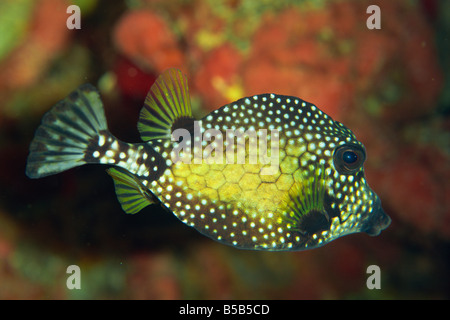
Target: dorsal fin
167, 103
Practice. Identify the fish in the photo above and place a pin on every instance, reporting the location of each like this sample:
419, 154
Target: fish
266, 172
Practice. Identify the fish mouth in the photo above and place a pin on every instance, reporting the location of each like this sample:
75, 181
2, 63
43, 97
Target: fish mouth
377, 222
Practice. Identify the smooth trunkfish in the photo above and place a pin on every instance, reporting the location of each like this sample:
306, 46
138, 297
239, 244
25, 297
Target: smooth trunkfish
218, 175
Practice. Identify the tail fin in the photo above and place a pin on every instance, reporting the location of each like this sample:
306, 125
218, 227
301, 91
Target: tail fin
66, 131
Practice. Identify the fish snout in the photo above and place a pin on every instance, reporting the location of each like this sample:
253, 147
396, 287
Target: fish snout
377, 222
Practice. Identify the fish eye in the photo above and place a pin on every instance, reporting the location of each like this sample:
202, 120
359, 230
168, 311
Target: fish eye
349, 158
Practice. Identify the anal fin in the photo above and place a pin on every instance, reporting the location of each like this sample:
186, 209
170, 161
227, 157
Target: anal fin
132, 194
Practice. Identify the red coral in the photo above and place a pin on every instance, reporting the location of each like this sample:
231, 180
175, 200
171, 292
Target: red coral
332, 57
132, 81
153, 277
287, 58
47, 37
218, 72
400, 57
145, 38
415, 186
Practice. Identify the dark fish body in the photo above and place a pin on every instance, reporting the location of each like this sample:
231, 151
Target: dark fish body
267, 172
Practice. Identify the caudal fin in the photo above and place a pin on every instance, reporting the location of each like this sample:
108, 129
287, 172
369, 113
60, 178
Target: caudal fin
62, 140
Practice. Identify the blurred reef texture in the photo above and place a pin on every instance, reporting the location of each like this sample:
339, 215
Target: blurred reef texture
390, 86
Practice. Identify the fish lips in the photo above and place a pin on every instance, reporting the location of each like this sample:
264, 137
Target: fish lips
377, 222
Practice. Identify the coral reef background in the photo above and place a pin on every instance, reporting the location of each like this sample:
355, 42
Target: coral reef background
390, 86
